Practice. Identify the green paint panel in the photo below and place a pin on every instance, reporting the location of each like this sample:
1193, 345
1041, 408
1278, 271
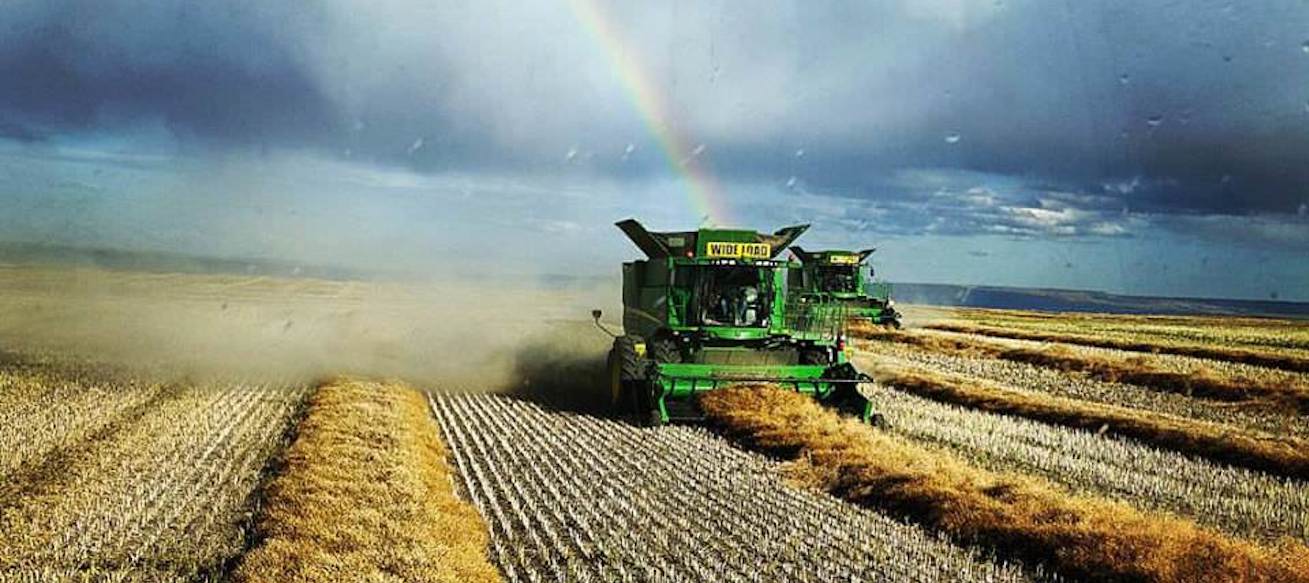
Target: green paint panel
680, 381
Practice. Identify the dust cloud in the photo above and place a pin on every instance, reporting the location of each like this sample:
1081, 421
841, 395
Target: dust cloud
564, 366
450, 335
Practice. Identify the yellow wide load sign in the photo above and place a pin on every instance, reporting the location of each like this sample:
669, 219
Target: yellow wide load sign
843, 259
738, 250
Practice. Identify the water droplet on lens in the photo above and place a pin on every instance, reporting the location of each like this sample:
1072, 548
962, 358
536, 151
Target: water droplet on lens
1154, 121
790, 182
417, 145
1124, 79
698, 150
571, 155
953, 138
799, 153
1305, 47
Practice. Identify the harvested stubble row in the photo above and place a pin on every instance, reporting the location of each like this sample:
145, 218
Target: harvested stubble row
1276, 455
1243, 355
1235, 500
1081, 537
51, 409
164, 496
577, 498
1200, 381
1247, 418
1281, 336
365, 493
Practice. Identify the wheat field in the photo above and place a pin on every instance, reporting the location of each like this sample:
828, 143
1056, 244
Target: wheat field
164, 427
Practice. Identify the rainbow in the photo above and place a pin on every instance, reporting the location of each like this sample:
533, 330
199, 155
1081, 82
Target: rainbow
684, 156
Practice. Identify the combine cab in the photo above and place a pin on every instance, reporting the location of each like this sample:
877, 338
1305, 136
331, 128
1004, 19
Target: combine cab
711, 307
842, 280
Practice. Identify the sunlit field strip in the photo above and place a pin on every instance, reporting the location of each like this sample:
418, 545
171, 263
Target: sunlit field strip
164, 498
1283, 336
44, 409
1269, 359
1222, 444
1082, 537
1252, 418
1099, 461
1215, 380
572, 497
366, 494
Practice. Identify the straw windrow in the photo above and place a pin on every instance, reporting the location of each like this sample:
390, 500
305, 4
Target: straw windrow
366, 494
1022, 518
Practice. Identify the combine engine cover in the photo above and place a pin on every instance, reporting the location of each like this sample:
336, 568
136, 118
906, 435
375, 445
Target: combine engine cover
712, 307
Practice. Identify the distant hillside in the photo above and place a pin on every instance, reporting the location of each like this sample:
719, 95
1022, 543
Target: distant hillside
1059, 300
916, 293
161, 262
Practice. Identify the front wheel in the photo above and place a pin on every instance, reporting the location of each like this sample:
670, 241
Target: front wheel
626, 373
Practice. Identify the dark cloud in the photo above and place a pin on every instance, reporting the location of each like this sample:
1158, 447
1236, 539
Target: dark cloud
226, 74
1088, 108
19, 133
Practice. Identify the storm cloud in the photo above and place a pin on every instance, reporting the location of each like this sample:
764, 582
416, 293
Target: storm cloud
1023, 119
1204, 102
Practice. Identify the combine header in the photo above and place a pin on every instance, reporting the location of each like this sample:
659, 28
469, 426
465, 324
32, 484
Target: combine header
842, 280
711, 307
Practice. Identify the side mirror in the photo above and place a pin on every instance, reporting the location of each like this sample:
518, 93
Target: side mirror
595, 315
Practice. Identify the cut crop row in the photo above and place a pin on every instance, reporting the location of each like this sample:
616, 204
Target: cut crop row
1215, 380
1082, 537
1241, 502
365, 494
48, 407
577, 498
1254, 418
163, 497
1269, 359
1282, 336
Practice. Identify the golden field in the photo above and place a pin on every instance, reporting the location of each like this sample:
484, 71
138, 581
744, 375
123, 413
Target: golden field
164, 427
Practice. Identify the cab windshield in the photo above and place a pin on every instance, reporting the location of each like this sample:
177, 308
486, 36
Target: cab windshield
838, 279
737, 296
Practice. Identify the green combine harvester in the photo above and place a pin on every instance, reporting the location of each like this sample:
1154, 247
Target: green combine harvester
843, 280
710, 308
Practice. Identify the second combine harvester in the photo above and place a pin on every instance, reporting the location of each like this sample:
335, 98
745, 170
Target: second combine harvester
711, 307
844, 280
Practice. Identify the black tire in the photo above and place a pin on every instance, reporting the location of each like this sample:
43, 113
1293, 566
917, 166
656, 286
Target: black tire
626, 372
847, 399
665, 350
661, 349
